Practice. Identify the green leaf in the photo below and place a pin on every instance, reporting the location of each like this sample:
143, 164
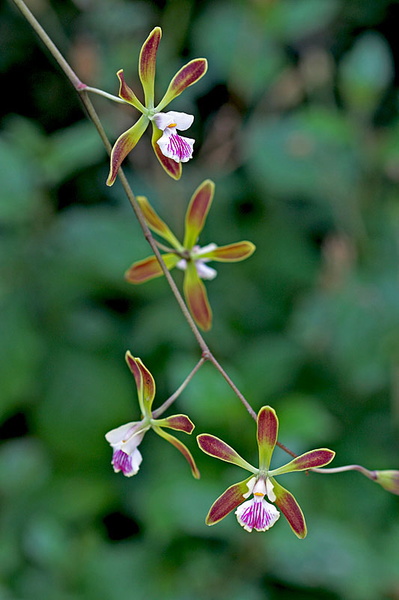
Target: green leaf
293, 20
24, 465
234, 37
305, 418
314, 146
21, 349
366, 71
85, 396
71, 150
19, 197
91, 247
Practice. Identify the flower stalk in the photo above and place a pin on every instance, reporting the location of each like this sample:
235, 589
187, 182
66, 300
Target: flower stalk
388, 479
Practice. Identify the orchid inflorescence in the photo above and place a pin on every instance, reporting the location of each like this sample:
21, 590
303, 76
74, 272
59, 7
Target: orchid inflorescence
257, 499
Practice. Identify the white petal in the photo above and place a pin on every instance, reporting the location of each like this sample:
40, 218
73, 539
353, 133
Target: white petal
163, 120
208, 248
183, 120
120, 434
182, 264
269, 490
173, 120
250, 486
131, 444
205, 272
136, 461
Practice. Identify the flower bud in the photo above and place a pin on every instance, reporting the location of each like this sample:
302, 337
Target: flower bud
389, 480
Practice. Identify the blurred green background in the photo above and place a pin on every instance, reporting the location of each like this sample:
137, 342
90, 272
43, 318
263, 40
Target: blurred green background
297, 123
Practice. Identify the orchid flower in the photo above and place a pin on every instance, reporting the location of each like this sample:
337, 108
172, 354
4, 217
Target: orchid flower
170, 148
126, 438
256, 513
188, 256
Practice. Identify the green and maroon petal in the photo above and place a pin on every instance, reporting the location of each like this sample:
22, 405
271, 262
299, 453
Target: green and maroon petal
267, 432
127, 94
133, 366
217, 448
149, 268
310, 460
173, 168
181, 447
228, 501
231, 252
197, 298
147, 64
197, 212
148, 389
144, 382
290, 509
156, 224
186, 76
124, 144
177, 422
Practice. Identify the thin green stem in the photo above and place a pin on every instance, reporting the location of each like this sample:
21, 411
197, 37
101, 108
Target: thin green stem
166, 248
159, 411
88, 88
331, 471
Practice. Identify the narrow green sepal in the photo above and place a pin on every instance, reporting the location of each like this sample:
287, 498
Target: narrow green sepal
290, 508
156, 224
196, 297
267, 432
176, 422
228, 501
217, 448
144, 382
181, 447
197, 212
186, 76
149, 268
309, 460
147, 64
123, 145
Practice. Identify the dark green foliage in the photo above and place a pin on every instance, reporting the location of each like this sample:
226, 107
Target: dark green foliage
297, 123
